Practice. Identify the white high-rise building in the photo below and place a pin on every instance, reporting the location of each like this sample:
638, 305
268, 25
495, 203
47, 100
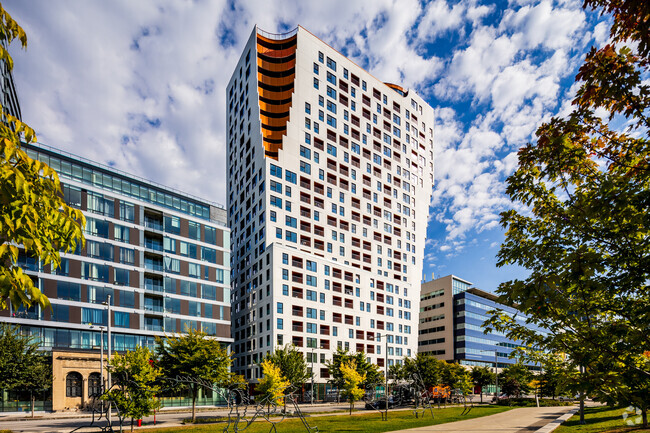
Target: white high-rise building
330, 174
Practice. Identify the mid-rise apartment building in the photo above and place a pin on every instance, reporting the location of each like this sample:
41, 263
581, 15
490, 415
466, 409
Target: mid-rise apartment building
161, 255
452, 313
330, 174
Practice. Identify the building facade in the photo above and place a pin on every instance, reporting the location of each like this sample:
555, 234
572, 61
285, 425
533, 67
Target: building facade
162, 257
330, 175
452, 313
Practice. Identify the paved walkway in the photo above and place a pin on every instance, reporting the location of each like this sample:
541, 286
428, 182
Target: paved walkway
521, 420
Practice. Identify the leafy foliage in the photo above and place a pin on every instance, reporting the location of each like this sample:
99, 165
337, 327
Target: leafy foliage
273, 384
482, 376
291, 363
427, 367
196, 356
352, 380
134, 375
369, 371
586, 237
22, 365
32, 211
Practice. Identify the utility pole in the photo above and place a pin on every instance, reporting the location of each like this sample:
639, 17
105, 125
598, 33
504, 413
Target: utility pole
108, 332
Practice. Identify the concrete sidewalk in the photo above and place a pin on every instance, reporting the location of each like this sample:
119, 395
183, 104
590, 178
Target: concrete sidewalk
521, 420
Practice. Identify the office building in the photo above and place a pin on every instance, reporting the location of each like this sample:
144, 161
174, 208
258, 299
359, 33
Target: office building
162, 256
452, 313
330, 175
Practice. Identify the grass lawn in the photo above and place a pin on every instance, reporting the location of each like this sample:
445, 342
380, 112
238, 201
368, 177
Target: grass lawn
600, 420
369, 421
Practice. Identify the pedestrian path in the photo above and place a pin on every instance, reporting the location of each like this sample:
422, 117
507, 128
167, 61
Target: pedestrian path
521, 420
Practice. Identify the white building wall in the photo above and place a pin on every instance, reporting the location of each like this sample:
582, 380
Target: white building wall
387, 181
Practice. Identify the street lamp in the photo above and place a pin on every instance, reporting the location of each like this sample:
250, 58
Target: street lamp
379, 337
101, 361
108, 332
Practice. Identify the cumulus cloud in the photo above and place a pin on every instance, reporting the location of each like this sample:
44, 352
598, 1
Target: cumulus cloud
141, 85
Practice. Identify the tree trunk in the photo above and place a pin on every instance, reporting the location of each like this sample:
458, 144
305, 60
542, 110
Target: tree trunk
481, 395
131, 424
32, 402
644, 416
351, 405
193, 405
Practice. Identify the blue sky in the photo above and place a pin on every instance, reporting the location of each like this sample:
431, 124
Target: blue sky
141, 86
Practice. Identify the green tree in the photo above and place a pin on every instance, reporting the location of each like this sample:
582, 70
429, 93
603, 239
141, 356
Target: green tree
481, 377
585, 233
370, 372
352, 380
134, 388
520, 374
273, 384
22, 365
195, 356
291, 363
553, 379
33, 213
427, 367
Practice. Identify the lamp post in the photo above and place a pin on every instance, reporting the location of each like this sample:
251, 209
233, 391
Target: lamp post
379, 337
108, 334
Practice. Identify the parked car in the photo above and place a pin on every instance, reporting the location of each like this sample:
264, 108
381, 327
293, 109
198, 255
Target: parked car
380, 403
565, 398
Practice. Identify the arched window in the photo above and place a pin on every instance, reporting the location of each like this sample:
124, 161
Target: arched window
94, 385
73, 384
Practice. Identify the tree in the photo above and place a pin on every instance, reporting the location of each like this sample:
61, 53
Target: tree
196, 357
22, 365
582, 230
352, 380
134, 388
553, 379
519, 373
512, 387
370, 372
291, 363
32, 210
482, 376
273, 384
428, 368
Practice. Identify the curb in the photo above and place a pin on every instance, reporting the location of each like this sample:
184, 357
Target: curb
557, 422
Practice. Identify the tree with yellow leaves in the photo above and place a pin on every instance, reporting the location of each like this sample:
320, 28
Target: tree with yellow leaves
273, 384
352, 379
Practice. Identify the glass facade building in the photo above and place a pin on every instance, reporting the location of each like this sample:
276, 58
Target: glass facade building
161, 255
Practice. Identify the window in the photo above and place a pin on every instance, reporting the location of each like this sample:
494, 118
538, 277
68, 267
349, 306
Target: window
305, 167
304, 152
307, 108
316, 68
291, 222
291, 177
320, 57
94, 385
331, 121
331, 64
331, 150
331, 93
127, 211
122, 319
73, 384
276, 171
331, 106
315, 83
331, 78
172, 224
280, 307
276, 201
280, 323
